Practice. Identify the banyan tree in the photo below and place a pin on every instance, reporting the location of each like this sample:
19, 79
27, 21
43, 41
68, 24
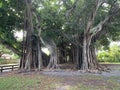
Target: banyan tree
80, 24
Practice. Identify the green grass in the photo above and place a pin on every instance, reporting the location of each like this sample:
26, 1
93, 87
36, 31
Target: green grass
16, 83
109, 62
43, 82
26, 82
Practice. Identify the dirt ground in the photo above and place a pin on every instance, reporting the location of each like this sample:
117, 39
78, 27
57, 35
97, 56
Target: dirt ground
69, 70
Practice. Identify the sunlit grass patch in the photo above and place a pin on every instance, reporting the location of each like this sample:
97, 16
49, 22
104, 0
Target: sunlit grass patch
27, 82
16, 83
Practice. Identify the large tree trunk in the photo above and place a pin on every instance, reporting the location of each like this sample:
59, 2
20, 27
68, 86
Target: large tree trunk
85, 56
78, 57
89, 61
53, 53
89, 58
31, 58
53, 56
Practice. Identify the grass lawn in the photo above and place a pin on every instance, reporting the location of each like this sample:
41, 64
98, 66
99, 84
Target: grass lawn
37, 81
109, 63
26, 82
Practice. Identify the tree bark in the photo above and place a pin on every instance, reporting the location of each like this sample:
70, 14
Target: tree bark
89, 61
32, 58
53, 56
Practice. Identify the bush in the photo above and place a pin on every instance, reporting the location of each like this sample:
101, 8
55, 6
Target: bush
7, 61
112, 55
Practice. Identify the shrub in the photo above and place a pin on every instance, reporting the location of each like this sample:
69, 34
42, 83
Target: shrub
111, 55
7, 61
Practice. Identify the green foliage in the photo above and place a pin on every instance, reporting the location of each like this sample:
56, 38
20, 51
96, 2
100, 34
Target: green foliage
110, 55
11, 18
6, 61
53, 21
4, 50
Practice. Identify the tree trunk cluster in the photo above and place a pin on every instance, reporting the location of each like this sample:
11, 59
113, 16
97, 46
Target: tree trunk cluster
82, 52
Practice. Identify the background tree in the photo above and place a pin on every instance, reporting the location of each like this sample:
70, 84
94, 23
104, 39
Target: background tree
11, 18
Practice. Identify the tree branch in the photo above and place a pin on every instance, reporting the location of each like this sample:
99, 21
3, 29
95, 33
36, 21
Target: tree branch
15, 50
71, 9
73, 42
94, 12
112, 12
98, 28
